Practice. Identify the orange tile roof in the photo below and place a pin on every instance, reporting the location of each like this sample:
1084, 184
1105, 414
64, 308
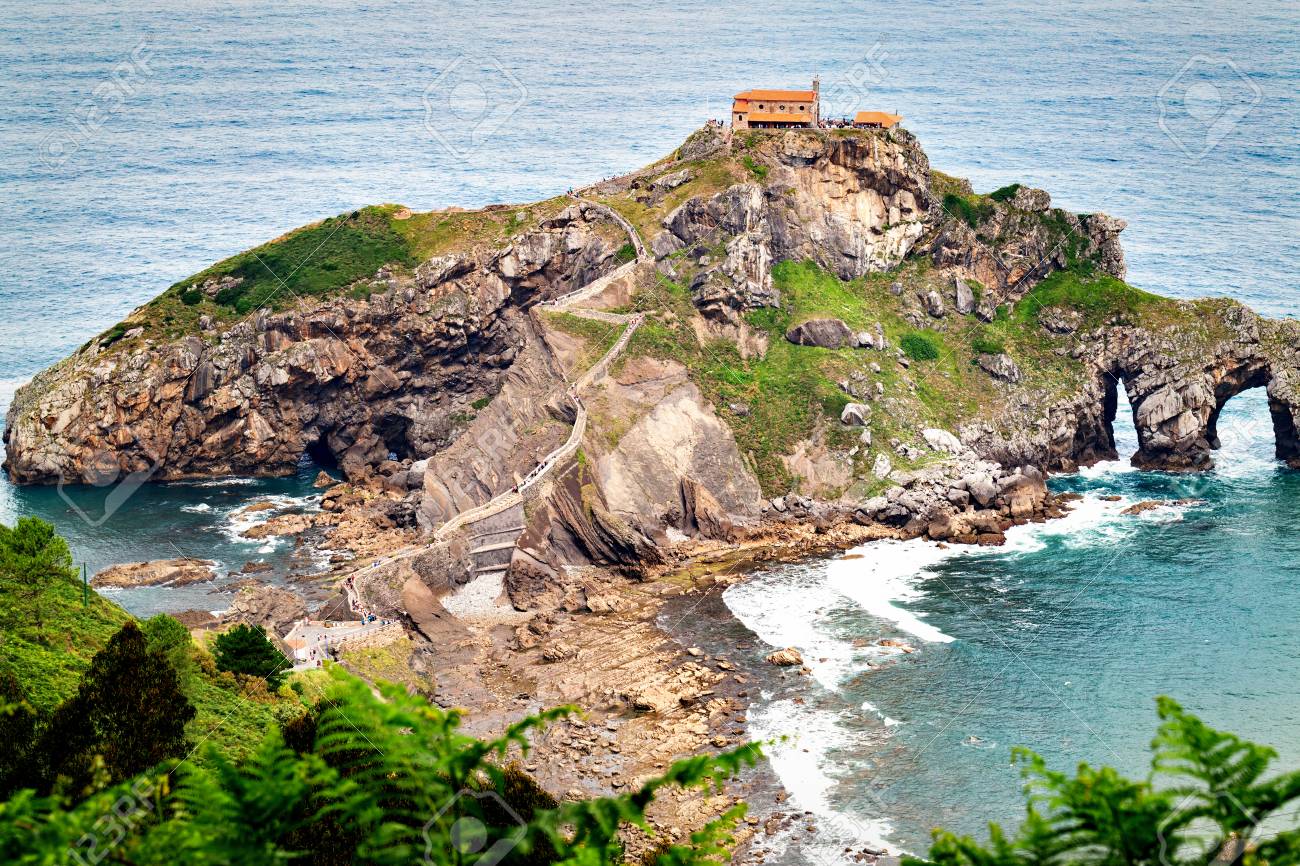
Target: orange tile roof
778, 95
779, 117
883, 118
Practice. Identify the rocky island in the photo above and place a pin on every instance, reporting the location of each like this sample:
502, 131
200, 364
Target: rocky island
555, 418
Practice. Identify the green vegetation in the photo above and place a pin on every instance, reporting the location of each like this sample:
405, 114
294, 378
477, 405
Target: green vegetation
311, 261
245, 650
1208, 799
596, 337
919, 346
1006, 193
972, 209
371, 775
50, 653
1099, 297
626, 253
985, 343
756, 168
945, 184
49, 636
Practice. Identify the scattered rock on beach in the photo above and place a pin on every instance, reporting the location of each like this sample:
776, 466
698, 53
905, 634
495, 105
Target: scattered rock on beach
788, 657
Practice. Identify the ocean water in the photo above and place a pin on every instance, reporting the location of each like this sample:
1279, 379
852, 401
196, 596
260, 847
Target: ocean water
1058, 641
139, 142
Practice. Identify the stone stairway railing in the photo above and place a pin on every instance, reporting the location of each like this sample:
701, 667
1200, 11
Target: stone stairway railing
514, 496
592, 289
642, 254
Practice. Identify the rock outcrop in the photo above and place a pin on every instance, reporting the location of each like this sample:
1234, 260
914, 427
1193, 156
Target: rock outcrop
353, 381
158, 572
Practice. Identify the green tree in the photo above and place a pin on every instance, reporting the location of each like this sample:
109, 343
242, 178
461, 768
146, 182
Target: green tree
19, 723
245, 650
128, 715
32, 557
168, 636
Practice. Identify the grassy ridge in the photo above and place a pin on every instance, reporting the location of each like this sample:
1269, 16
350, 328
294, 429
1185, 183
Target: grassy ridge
49, 658
793, 391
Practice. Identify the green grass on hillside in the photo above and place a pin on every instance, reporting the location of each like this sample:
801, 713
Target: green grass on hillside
1099, 297
792, 391
49, 660
311, 261
972, 209
596, 337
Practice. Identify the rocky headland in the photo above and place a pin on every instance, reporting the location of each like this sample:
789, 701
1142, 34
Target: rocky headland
552, 417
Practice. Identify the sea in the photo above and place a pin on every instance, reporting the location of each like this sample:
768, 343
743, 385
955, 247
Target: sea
142, 141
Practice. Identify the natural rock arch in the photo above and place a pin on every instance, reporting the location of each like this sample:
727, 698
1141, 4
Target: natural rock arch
1176, 413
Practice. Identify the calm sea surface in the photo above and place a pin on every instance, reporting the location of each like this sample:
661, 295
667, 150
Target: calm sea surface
140, 142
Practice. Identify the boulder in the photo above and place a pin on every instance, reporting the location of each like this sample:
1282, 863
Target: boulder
323, 480
942, 440
672, 180
855, 414
934, 304
826, 333
788, 657
964, 302
882, 466
665, 244
1000, 366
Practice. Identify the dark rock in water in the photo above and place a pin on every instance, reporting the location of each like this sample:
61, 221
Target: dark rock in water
256, 567
324, 479
826, 333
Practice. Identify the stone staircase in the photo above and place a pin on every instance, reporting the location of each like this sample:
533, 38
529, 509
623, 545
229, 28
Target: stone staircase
493, 528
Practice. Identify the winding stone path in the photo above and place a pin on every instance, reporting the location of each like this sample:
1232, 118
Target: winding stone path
515, 496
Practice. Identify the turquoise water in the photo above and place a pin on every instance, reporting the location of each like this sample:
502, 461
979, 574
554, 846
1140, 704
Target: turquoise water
1060, 641
243, 122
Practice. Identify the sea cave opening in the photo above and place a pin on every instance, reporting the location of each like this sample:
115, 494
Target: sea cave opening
318, 453
1117, 412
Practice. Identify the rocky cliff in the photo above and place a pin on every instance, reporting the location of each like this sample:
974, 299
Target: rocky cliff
830, 329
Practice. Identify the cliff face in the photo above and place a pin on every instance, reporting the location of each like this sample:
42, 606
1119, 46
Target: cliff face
391, 369
821, 314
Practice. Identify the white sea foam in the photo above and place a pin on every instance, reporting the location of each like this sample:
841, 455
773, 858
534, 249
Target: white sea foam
802, 741
238, 519
886, 572
797, 605
789, 607
197, 509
